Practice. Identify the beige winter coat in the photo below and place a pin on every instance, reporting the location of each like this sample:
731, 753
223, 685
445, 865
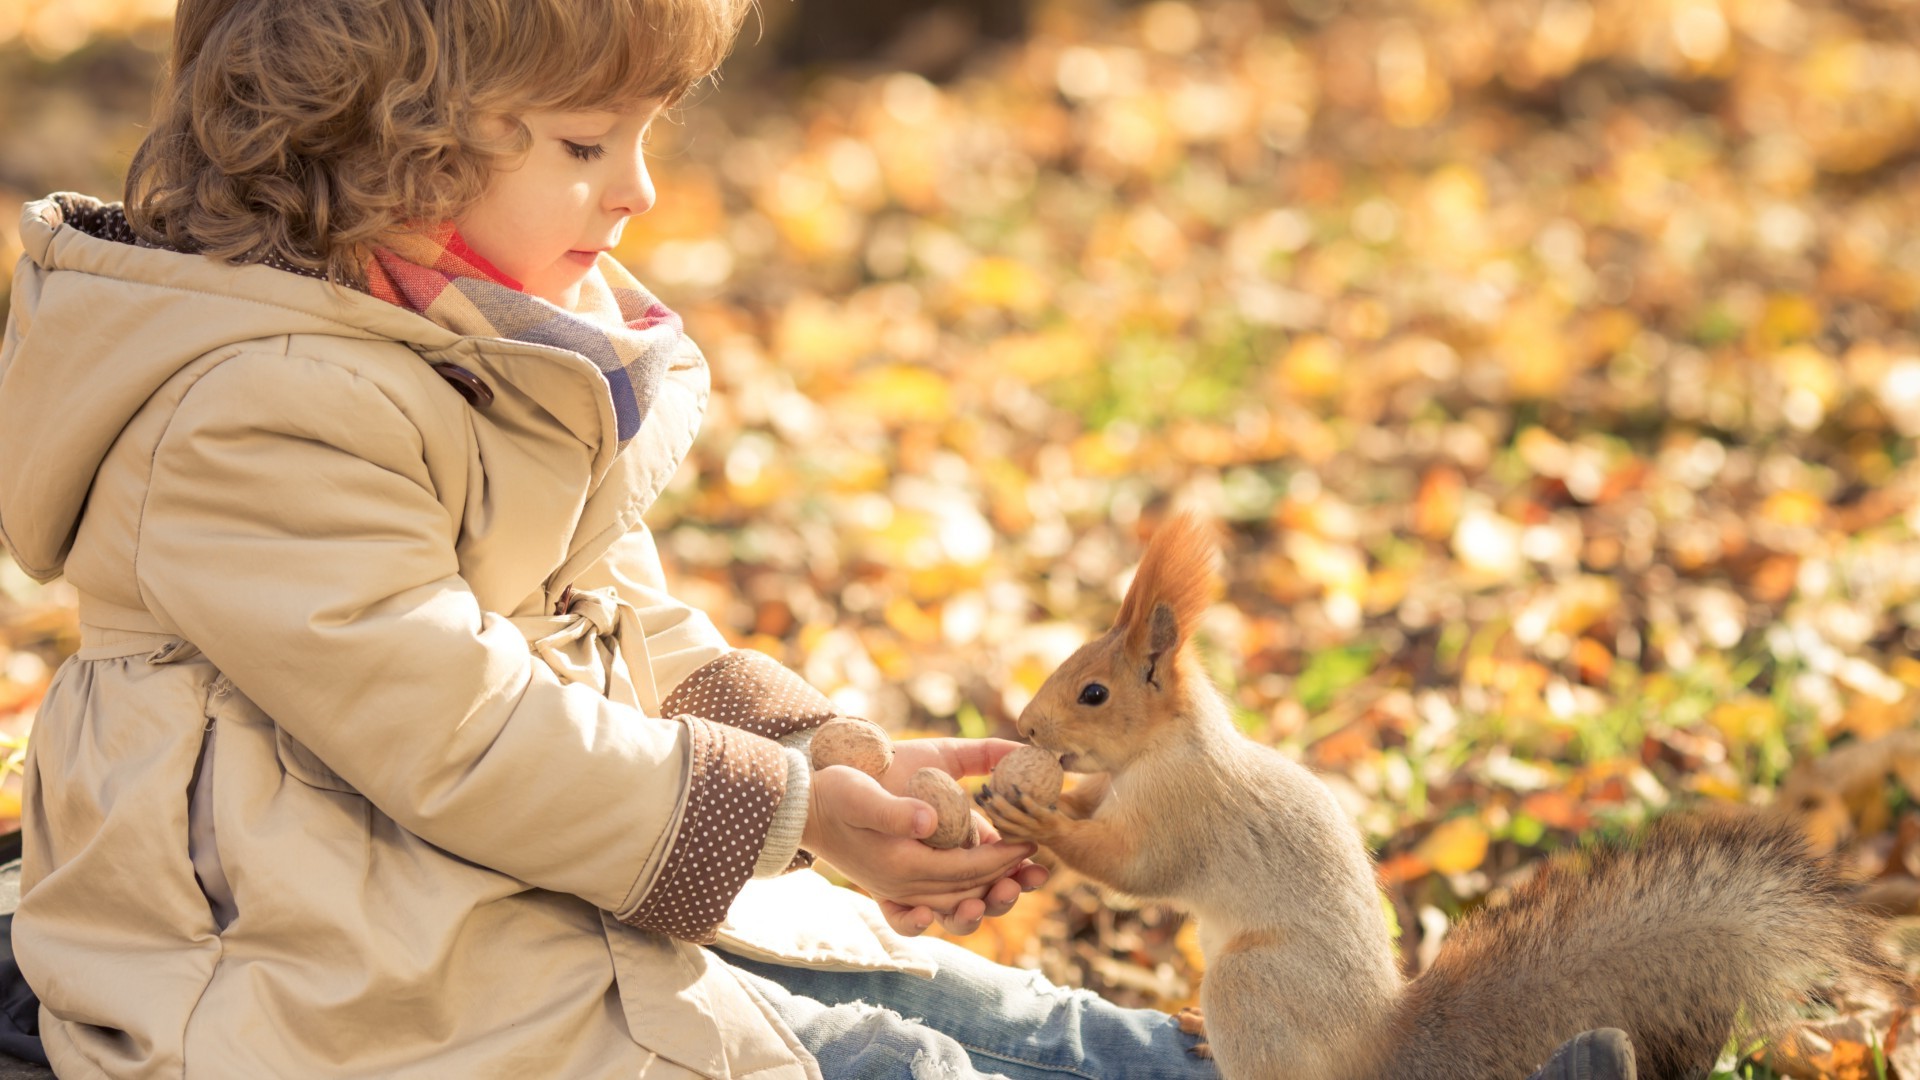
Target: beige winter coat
300, 551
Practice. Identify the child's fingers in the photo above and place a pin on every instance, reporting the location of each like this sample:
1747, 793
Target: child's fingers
965, 918
938, 901
974, 757
907, 921
963, 868
1001, 896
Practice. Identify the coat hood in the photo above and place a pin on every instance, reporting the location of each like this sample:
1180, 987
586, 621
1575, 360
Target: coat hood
99, 322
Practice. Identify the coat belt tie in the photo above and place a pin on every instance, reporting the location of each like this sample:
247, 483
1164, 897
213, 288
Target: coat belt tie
597, 640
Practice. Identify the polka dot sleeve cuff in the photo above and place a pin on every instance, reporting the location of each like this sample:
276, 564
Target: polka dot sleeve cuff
737, 781
734, 707
753, 692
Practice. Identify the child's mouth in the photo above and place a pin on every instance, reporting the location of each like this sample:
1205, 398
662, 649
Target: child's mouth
584, 258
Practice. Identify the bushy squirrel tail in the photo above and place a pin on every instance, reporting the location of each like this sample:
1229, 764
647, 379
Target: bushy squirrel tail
1706, 919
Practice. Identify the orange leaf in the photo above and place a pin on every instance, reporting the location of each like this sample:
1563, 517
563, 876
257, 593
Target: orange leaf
1455, 845
1593, 661
1352, 743
1556, 810
1010, 938
1437, 508
1403, 867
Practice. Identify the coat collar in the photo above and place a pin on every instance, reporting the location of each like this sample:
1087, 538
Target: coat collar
98, 324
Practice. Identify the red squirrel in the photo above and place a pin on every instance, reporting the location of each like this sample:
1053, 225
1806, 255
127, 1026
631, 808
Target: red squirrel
1703, 919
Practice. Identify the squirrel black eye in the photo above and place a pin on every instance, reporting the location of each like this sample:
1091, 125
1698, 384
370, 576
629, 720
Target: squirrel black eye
1093, 694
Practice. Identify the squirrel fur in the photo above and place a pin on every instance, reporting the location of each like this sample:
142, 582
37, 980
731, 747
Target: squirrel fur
1703, 920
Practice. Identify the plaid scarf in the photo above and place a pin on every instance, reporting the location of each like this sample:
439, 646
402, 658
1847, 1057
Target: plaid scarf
629, 335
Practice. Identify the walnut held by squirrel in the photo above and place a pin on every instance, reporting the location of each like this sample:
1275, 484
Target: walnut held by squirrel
1703, 919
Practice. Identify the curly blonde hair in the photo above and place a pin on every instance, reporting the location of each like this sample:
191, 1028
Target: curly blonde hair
304, 130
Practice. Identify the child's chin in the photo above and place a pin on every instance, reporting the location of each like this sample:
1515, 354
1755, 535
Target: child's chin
559, 289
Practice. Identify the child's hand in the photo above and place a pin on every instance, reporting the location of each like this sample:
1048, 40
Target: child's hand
958, 757
967, 917
872, 836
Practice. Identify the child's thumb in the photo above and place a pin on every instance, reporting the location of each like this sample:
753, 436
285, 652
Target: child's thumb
906, 817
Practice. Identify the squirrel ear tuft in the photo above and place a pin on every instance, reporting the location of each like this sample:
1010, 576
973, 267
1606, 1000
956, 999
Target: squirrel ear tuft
1174, 584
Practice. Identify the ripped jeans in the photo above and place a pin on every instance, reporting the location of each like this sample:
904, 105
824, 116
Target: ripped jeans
975, 1019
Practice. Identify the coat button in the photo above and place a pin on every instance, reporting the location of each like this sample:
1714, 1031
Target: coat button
471, 386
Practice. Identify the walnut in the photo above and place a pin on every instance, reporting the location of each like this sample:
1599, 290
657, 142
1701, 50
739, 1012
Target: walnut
850, 741
1030, 772
950, 804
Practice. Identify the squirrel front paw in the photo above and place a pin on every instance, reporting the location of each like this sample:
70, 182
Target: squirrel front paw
1020, 817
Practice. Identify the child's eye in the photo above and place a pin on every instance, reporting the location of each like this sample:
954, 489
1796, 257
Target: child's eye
583, 151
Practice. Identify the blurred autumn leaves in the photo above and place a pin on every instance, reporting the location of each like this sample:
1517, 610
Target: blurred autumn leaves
1553, 361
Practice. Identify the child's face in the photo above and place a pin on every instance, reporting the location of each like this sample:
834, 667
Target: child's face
545, 218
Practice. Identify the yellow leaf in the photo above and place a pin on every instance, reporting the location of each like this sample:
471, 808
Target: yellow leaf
1187, 943
1099, 454
1039, 358
1805, 368
817, 335
1456, 193
1793, 508
1715, 786
1029, 672
1531, 344
1003, 283
856, 471
1744, 719
912, 621
1584, 602
900, 395
1334, 566
1312, 367
1787, 319
1455, 845
1385, 589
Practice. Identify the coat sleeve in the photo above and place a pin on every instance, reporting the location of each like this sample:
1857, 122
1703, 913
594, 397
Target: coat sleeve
292, 532
699, 673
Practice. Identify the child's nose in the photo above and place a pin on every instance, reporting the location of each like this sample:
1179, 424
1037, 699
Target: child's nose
633, 192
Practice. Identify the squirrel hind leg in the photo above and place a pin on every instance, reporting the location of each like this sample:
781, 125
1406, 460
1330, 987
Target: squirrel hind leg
1193, 1022
1267, 1018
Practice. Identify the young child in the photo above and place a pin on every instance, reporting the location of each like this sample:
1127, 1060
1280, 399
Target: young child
387, 752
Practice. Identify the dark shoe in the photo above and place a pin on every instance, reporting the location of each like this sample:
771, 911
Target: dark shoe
1600, 1054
